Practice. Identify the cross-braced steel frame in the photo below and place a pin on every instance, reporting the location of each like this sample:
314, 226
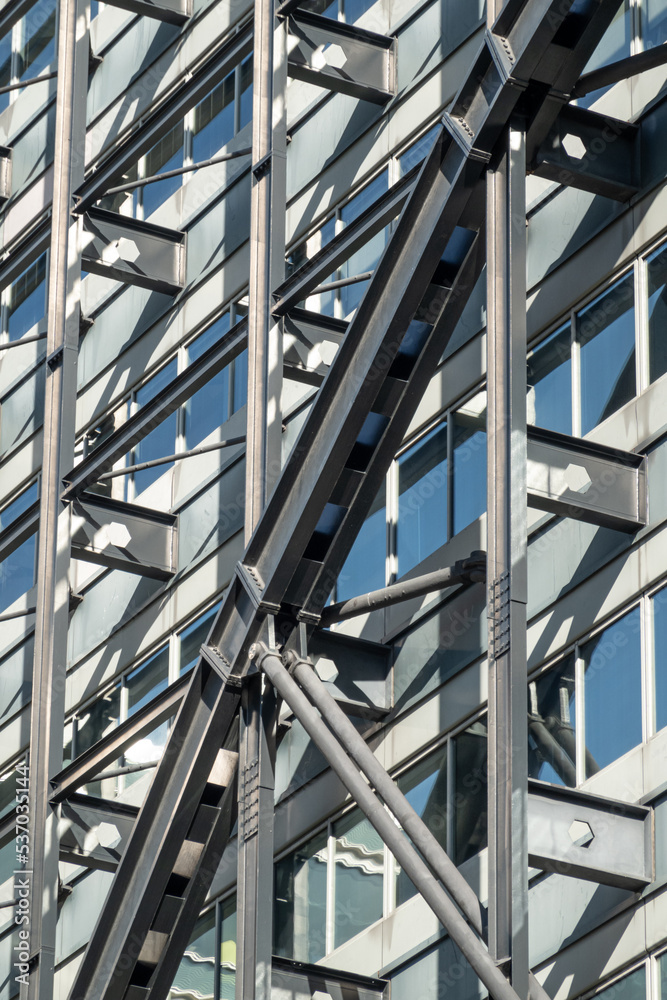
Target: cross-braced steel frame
466, 207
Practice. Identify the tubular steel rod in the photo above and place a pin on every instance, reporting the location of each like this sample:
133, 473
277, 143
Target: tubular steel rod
154, 462
17, 614
341, 283
27, 83
397, 592
23, 340
446, 911
117, 772
620, 70
357, 748
50, 656
131, 185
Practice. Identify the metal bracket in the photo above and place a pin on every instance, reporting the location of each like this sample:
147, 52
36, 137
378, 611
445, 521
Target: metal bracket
262, 166
172, 11
249, 800
138, 253
501, 615
55, 359
254, 587
220, 664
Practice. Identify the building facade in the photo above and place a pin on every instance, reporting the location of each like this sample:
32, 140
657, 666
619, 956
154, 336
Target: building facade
164, 349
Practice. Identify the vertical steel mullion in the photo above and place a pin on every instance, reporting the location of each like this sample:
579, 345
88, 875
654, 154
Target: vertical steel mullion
451, 797
217, 945
647, 647
449, 466
575, 376
50, 657
580, 713
330, 904
507, 545
641, 325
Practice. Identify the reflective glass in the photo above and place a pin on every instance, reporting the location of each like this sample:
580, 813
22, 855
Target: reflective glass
8, 791
355, 8
37, 47
196, 973
228, 949
657, 314
208, 408
365, 567
606, 333
193, 637
5, 67
359, 876
659, 606
98, 719
17, 571
422, 499
245, 87
143, 684
662, 976
470, 795
425, 788
214, 120
360, 262
366, 197
166, 155
632, 987
549, 402
654, 24
612, 692
551, 725
240, 388
26, 303
299, 925
615, 44
417, 152
162, 440
469, 462
7, 866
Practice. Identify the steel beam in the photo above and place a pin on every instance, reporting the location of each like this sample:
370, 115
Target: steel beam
311, 342
124, 536
13, 11
94, 832
53, 592
383, 211
507, 541
24, 252
581, 479
590, 837
342, 57
137, 253
158, 409
106, 751
592, 152
25, 525
171, 11
622, 69
5, 172
155, 124
299, 979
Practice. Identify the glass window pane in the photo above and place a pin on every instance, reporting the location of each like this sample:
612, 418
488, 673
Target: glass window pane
37, 33
228, 949
240, 393
143, 684
551, 726
470, 805
615, 43
5, 67
659, 605
300, 902
606, 333
8, 786
422, 499
196, 973
245, 111
365, 567
469, 462
549, 402
214, 120
657, 314
425, 788
417, 152
17, 571
612, 692
208, 408
26, 304
193, 637
632, 987
98, 719
355, 206
662, 976
161, 441
167, 154
654, 24
359, 876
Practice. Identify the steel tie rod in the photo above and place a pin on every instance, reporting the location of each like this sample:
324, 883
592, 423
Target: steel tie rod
425, 882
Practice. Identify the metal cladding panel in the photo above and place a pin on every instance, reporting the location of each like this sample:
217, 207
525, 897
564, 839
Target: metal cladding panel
95, 832
574, 478
589, 837
342, 57
135, 252
172, 11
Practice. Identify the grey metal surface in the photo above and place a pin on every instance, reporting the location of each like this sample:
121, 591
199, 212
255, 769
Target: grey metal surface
5, 173
591, 151
138, 253
507, 541
589, 837
94, 832
299, 981
342, 57
621, 69
171, 11
19, 530
212, 361
358, 672
124, 536
585, 480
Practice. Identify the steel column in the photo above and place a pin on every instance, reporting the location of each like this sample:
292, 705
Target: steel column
50, 660
506, 560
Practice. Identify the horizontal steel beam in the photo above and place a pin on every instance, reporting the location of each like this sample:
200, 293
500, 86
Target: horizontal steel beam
622, 69
310, 344
124, 536
342, 57
110, 748
589, 837
592, 152
155, 124
298, 979
138, 253
12, 11
158, 409
577, 478
465, 571
307, 277
171, 11
25, 525
94, 832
